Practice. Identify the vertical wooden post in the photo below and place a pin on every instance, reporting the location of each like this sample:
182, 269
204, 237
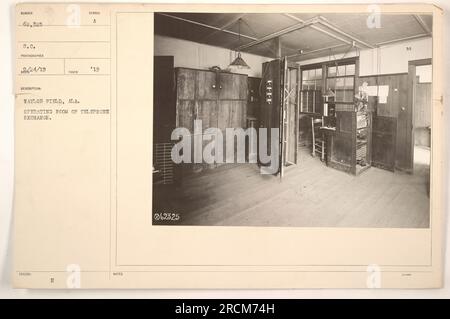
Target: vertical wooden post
276, 45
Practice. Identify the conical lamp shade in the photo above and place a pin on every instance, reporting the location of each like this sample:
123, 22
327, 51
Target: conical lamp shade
239, 62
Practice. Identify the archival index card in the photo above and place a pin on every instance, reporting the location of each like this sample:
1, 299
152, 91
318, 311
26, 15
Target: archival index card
86, 170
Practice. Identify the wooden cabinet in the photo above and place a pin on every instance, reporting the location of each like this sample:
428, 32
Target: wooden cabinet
232, 86
349, 146
186, 79
218, 99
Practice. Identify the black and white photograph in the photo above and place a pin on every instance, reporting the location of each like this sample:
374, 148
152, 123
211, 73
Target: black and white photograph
226, 149
292, 119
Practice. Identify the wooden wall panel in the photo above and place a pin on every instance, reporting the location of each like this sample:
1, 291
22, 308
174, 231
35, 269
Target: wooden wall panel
207, 112
398, 108
185, 114
186, 84
225, 114
384, 142
404, 147
397, 93
206, 85
390, 109
241, 107
231, 114
233, 87
243, 87
422, 114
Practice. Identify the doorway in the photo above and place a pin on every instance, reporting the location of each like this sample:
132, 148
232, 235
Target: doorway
290, 114
420, 75
420, 90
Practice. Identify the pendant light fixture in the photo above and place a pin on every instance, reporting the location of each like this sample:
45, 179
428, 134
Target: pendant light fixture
239, 62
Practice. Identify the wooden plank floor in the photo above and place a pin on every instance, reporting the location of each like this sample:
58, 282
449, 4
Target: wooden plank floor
310, 195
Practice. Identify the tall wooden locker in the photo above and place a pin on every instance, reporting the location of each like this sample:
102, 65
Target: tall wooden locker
218, 99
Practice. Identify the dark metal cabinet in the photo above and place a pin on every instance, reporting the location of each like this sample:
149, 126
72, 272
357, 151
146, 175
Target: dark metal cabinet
269, 115
163, 99
350, 145
270, 96
280, 109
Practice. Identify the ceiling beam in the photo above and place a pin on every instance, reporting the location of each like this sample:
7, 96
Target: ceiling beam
324, 21
422, 23
279, 33
225, 26
268, 45
233, 21
317, 50
417, 36
206, 26
359, 43
332, 35
317, 28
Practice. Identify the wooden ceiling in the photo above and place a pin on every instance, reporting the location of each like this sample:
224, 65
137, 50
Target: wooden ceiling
322, 33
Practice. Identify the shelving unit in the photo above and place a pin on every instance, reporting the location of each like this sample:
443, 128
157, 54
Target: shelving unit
363, 133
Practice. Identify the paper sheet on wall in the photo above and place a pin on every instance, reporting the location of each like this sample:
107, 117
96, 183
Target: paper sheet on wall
383, 92
382, 99
370, 90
